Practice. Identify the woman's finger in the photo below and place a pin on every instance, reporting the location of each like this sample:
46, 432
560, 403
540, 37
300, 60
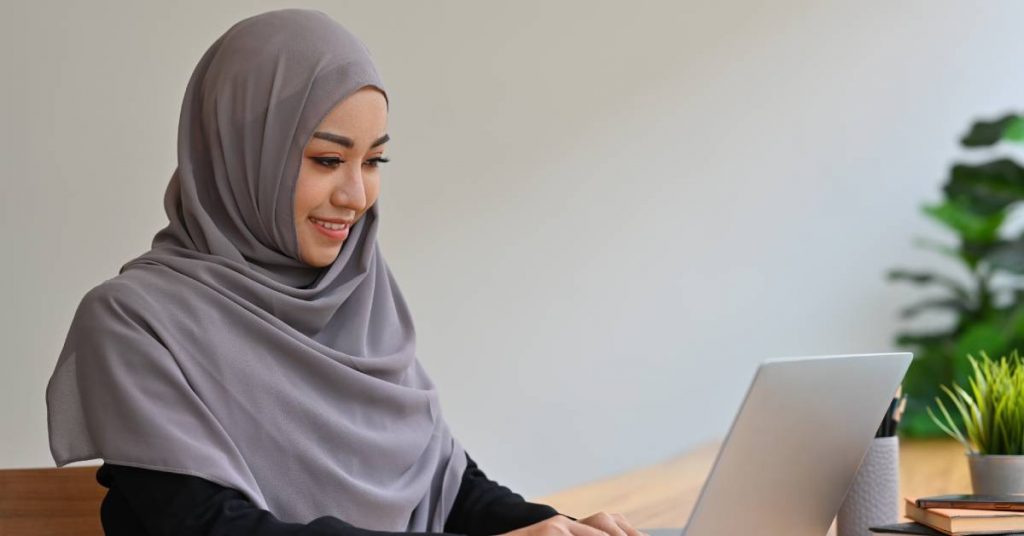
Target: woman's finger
625, 526
604, 522
578, 528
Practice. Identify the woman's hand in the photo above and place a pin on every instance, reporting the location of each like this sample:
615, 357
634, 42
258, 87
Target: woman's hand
611, 524
599, 524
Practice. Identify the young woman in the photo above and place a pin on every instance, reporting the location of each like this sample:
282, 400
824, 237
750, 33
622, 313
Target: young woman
255, 371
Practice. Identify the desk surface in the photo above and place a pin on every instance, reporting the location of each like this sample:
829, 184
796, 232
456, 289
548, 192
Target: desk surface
663, 494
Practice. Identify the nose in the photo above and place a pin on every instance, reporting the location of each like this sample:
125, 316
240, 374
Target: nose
349, 191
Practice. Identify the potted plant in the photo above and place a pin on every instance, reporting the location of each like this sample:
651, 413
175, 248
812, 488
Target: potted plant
992, 414
979, 296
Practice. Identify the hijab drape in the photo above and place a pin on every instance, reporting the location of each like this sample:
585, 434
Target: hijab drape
219, 353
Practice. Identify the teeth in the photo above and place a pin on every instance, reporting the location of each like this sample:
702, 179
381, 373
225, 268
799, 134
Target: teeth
329, 225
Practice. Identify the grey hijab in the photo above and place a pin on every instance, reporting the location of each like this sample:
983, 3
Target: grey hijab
219, 354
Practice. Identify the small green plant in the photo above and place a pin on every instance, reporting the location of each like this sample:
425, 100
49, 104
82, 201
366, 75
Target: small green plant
992, 411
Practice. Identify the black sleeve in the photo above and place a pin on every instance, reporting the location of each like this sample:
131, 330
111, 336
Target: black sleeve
143, 502
484, 507
157, 503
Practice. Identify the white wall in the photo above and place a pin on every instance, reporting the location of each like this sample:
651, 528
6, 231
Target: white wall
602, 214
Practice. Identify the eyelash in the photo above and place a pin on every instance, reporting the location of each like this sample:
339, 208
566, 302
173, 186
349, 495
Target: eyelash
332, 162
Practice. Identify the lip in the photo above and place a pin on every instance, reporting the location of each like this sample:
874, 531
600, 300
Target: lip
331, 233
335, 220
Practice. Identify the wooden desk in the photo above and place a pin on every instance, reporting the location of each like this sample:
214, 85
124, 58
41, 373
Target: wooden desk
66, 501
662, 495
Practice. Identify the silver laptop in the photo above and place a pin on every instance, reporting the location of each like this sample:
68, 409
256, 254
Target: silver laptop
795, 445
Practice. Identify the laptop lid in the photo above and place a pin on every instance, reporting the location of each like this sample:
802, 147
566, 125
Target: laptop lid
795, 444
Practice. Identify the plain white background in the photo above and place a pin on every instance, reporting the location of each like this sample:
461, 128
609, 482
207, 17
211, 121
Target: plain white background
602, 214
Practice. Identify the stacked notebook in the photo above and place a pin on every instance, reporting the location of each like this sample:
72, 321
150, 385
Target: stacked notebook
956, 521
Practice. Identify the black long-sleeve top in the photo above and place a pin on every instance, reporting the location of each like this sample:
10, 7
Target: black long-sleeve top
144, 502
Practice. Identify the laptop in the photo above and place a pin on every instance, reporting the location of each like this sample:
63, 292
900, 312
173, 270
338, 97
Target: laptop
795, 445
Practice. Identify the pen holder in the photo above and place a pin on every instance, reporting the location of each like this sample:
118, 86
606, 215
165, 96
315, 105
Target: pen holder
874, 495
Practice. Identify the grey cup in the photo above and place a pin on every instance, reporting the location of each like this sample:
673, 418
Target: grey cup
874, 495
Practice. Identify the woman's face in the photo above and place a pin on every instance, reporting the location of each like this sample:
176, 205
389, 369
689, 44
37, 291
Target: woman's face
339, 178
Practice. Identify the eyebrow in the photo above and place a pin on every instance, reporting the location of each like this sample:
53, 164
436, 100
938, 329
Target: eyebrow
346, 141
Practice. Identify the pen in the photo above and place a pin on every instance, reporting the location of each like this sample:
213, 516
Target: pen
893, 413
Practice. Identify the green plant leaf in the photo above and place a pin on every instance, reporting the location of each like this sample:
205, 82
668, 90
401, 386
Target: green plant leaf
1007, 255
987, 188
929, 278
985, 133
972, 253
1014, 131
970, 226
941, 248
972, 419
928, 339
948, 424
949, 304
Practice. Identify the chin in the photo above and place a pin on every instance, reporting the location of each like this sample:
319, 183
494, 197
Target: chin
321, 262
322, 259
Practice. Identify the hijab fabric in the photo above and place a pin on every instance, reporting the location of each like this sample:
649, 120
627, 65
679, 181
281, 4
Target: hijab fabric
219, 353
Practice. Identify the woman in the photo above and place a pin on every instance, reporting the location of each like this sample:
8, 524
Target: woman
255, 371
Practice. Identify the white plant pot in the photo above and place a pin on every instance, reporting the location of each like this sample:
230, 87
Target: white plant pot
996, 474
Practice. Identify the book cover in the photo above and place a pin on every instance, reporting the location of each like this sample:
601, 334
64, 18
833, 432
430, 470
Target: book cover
957, 521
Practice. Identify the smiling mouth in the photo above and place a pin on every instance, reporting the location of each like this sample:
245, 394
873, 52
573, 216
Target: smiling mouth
329, 225
335, 231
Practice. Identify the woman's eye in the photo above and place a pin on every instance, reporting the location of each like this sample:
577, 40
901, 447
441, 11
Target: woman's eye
333, 162
375, 162
328, 162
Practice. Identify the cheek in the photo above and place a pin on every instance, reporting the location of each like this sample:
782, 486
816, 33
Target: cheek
372, 190
307, 196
